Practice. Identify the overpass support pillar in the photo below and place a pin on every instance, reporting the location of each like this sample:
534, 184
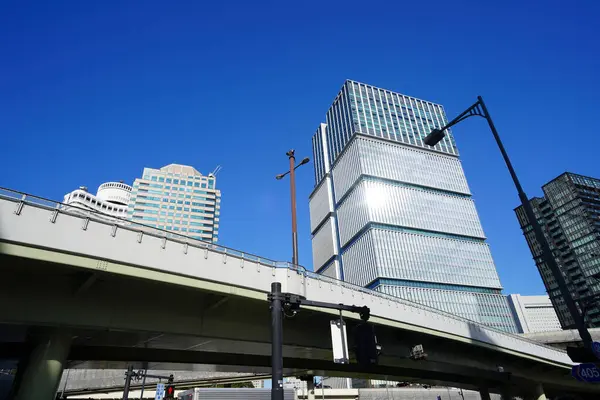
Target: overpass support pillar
506, 393
537, 393
484, 393
310, 386
44, 366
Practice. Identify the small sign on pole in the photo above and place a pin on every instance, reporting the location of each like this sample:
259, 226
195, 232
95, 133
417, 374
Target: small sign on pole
339, 342
160, 391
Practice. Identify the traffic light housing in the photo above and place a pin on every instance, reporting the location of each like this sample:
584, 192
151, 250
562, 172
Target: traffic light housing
581, 354
170, 392
365, 344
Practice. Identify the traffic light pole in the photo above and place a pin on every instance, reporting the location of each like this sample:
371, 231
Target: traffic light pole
131, 374
291, 302
276, 298
128, 376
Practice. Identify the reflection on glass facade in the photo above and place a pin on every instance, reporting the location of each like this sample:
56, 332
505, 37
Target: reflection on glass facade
569, 214
395, 215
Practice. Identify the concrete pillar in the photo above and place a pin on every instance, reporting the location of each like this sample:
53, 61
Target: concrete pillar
484, 393
507, 393
44, 366
537, 393
310, 386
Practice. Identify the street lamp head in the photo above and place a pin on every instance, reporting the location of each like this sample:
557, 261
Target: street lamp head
280, 176
434, 137
305, 161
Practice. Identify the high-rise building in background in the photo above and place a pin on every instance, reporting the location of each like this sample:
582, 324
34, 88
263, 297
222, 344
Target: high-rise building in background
179, 199
392, 214
533, 313
110, 202
569, 214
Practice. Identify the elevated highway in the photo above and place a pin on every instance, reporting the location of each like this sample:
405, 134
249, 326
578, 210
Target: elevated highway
110, 295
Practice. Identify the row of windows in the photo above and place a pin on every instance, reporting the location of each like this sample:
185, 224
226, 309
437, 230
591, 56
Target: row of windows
390, 112
487, 309
115, 185
348, 115
99, 205
143, 186
318, 154
210, 184
172, 201
432, 285
417, 257
408, 207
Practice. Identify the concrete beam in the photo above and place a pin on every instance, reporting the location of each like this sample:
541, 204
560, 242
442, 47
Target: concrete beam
449, 374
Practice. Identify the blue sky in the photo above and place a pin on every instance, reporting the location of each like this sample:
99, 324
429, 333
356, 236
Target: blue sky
92, 91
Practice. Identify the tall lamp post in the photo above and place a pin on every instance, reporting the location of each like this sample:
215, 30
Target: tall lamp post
479, 109
292, 172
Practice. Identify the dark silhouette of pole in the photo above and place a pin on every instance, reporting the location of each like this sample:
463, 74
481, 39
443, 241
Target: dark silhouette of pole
276, 299
128, 376
481, 110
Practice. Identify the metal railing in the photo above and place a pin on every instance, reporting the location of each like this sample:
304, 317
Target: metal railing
25, 198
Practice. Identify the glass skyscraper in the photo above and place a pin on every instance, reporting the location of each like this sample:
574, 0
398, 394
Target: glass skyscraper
395, 215
569, 214
179, 199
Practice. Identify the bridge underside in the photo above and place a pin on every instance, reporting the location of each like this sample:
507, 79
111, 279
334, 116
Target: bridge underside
117, 320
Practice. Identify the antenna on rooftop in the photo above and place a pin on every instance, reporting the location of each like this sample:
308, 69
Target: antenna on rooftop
216, 171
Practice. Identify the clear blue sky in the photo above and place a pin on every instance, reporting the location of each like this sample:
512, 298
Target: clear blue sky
92, 91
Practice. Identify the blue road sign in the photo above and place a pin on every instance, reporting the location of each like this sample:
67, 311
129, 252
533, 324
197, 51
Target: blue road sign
586, 373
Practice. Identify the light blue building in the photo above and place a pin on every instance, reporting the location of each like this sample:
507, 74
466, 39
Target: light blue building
395, 215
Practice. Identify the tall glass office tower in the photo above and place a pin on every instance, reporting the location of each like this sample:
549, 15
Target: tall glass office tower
392, 214
179, 199
569, 214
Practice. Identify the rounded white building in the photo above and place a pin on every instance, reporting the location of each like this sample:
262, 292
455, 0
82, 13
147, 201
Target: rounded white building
110, 202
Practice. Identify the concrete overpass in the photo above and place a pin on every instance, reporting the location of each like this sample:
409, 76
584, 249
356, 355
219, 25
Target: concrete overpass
111, 295
562, 339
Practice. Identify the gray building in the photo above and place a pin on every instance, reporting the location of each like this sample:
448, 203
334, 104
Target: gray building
392, 214
569, 213
533, 313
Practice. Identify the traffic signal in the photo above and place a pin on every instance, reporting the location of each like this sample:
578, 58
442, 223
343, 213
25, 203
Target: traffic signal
170, 392
365, 342
581, 354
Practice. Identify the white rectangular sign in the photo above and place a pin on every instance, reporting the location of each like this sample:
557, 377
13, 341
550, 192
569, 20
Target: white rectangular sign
339, 342
160, 391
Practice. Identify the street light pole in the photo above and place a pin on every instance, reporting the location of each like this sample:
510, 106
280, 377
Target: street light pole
479, 109
292, 157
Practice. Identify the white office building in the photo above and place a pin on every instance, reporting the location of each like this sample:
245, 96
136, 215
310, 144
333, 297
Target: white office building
394, 215
533, 313
109, 203
179, 199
